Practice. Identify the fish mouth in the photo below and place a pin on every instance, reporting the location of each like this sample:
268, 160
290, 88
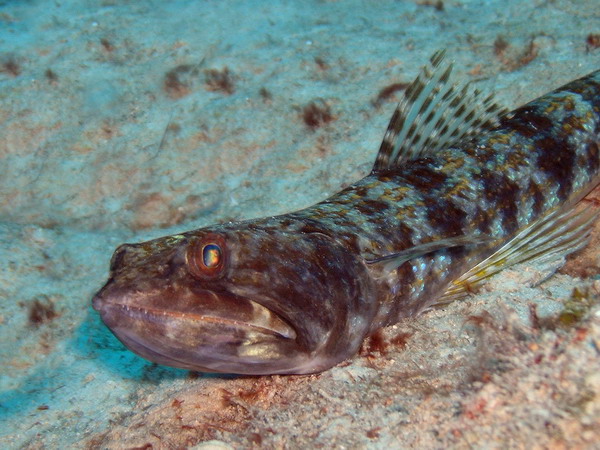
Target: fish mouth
268, 322
139, 347
250, 340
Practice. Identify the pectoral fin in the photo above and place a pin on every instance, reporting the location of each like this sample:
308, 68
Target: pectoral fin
547, 240
394, 260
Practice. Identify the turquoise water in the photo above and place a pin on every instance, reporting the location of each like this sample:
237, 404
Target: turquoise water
123, 121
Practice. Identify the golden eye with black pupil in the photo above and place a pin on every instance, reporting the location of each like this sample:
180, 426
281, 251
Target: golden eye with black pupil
206, 257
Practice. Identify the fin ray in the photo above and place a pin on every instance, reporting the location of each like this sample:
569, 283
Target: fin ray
435, 114
395, 260
548, 239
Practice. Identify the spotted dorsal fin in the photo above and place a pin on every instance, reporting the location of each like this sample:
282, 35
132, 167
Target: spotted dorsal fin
435, 114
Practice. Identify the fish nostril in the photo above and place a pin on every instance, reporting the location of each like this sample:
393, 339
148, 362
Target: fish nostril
120, 254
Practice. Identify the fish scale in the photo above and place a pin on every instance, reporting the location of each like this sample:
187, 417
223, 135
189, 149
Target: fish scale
460, 189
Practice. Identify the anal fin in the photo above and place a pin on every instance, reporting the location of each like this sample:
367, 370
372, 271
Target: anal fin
543, 242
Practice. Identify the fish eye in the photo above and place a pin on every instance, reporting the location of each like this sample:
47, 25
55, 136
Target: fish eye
205, 257
211, 255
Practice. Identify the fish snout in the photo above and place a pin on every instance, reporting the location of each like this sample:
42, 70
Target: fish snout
97, 302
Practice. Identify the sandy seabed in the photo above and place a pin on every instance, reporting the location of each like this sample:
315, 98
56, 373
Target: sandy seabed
123, 121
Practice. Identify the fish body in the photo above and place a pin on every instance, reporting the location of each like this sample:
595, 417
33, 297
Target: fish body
460, 189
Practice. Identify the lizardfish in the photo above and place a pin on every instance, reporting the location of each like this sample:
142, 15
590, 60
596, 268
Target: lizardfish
460, 189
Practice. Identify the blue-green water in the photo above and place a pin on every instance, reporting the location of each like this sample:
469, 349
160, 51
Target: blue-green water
113, 129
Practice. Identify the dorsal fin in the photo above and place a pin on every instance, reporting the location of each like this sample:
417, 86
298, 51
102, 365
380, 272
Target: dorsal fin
433, 115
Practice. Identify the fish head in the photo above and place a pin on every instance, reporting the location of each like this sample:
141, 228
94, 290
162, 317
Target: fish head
239, 298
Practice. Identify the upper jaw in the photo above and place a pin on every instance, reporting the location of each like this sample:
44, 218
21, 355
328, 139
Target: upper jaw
190, 307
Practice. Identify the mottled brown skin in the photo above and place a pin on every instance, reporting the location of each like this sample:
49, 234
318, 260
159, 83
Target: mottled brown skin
153, 303
298, 293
